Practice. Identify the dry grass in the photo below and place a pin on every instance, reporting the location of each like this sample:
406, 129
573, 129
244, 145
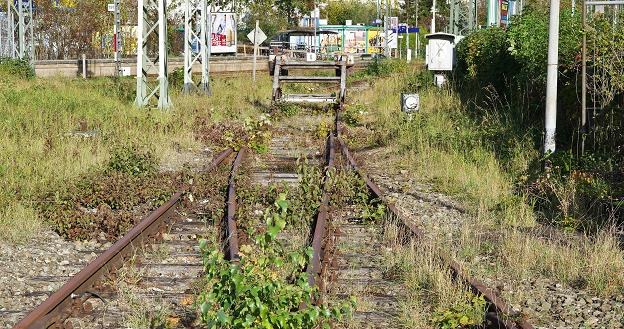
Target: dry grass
597, 263
442, 145
41, 152
429, 285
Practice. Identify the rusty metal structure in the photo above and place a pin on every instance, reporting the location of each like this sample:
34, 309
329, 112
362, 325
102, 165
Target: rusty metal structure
281, 75
314, 269
71, 296
499, 313
231, 231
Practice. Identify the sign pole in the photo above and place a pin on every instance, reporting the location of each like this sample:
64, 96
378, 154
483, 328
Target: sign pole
255, 41
116, 37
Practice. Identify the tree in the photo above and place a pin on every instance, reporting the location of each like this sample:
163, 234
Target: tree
338, 12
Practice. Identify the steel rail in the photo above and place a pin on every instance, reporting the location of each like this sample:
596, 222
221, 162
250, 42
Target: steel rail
314, 267
56, 307
231, 229
501, 314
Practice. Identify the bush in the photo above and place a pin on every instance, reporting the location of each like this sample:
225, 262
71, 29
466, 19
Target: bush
131, 161
17, 67
267, 287
483, 58
384, 67
528, 42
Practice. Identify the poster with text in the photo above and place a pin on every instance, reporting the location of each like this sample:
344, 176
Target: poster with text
355, 41
223, 33
331, 43
375, 42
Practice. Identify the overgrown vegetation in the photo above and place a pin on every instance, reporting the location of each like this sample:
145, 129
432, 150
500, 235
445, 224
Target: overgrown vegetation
16, 67
432, 297
105, 203
501, 73
51, 139
484, 159
267, 287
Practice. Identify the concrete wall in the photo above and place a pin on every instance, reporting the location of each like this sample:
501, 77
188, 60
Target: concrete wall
106, 67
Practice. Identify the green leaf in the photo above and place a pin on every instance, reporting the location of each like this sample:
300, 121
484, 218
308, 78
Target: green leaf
205, 307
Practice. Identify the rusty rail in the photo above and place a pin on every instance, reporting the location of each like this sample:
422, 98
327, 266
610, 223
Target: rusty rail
56, 308
314, 268
500, 313
231, 230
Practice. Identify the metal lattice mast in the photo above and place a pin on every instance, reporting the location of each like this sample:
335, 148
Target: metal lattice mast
20, 26
152, 19
195, 24
472, 15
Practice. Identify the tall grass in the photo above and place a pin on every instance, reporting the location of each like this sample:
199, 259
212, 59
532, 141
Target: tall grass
481, 161
53, 131
443, 144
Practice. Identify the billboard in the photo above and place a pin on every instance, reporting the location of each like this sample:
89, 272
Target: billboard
355, 41
223, 39
331, 43
504, 12
375, 41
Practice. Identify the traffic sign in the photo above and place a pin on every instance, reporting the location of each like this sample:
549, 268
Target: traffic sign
256, 36
111, 7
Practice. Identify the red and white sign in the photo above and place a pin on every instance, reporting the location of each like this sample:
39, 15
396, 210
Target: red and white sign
224, 34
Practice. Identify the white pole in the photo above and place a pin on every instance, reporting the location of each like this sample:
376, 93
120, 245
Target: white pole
433, 19
84, 66
255, 49
551, 79
139, 71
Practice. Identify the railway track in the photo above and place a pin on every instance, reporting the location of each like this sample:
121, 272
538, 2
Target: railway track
159, 259
87, 297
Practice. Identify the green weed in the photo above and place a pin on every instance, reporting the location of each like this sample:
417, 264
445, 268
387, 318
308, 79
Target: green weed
266, 288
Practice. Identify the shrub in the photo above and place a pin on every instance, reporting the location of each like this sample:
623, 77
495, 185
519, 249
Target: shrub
131, 161
17, 67
528, 42
266, 288
462, 315
483, 58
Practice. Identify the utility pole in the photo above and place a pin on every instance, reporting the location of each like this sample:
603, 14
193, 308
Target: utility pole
152, 19
117, 37
551, 79
433, 19
417, 33
451, 24
584, 80
472, 6
492, 13
386, 26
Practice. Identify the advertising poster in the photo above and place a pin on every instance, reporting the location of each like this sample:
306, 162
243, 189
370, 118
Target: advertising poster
504, 11
355, 41
375, 42
331, 43
223, 33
